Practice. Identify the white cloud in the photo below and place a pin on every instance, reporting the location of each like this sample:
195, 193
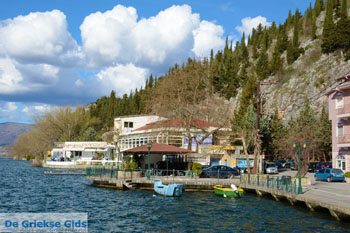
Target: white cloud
35, 109
39, 37
173, 35
10, 107
42, 65
249, 23
121, 78
208, 36
10, 77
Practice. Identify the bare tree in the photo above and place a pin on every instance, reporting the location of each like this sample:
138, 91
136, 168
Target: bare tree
186, 94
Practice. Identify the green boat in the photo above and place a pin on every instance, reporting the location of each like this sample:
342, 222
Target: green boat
228, 191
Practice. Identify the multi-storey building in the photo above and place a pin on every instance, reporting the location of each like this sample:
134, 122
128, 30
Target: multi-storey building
134, 131
339, 114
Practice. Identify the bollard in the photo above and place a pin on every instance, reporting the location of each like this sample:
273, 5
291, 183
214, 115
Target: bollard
173, 175
218, 176
267, 181
286, 186
124, 174
248, 178
258, 180
278, 183
295, 187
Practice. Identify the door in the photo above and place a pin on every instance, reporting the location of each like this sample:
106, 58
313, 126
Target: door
341, 162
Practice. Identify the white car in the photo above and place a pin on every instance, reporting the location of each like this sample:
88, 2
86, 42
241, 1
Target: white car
271, 168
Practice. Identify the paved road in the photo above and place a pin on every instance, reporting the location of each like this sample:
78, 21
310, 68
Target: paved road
337, 193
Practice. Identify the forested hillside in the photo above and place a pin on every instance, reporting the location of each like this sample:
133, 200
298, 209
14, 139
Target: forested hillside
299, 59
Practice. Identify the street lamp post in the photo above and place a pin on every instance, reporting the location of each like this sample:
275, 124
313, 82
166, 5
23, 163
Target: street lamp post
149, 145
299, 148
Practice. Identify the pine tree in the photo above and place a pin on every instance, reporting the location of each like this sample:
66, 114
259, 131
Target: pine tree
324, 134
314, 28
244, 51
289, 20
329, 29
262, 65
344, 9
211, 56
284, 39
308, 21
276, 63
318, 7
290, 53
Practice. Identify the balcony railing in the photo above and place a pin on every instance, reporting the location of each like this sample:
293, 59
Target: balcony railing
344, 110
344, 139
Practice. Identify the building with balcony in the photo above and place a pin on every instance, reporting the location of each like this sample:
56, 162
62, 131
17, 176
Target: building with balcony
135, 131
339, 114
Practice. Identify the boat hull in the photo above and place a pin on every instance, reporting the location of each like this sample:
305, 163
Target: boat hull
171, 190
228, 192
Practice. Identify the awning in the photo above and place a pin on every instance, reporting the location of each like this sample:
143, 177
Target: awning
159, 149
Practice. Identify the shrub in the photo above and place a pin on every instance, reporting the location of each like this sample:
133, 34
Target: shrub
129, 164
197, 167
28, 156
347, 174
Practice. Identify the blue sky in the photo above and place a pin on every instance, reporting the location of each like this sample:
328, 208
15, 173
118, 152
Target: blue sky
59, 52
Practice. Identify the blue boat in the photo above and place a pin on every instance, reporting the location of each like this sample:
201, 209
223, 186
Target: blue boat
170, 190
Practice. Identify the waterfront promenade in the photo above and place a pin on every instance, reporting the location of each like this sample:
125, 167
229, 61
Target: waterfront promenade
319, 196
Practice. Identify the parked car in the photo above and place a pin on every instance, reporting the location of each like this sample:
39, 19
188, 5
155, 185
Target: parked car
330, 174
220, 171
291, 165
326, 165
270, 168
280, 163
314, 166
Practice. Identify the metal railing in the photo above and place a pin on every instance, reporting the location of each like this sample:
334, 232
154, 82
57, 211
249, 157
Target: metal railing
284, 183
119, 173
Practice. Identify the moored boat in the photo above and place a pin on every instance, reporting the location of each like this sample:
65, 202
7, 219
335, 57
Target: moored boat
232, 191
170, 190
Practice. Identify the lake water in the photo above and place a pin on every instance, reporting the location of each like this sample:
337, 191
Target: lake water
26, 189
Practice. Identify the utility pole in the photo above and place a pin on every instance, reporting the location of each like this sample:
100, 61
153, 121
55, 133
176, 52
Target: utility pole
259, 107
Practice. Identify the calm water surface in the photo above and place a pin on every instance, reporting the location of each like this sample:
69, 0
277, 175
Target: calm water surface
25, 189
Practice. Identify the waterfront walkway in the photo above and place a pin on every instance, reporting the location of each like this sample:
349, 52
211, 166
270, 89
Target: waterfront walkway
332, 197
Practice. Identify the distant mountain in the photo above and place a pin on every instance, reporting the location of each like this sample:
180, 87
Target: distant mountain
10, 130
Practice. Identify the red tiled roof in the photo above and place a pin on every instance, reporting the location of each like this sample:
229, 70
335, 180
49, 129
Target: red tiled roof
159, 149
177, 122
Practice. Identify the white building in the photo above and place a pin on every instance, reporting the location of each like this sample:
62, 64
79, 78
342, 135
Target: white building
134, 131
68, 154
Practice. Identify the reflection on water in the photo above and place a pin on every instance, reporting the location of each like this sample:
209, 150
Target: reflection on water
25, 189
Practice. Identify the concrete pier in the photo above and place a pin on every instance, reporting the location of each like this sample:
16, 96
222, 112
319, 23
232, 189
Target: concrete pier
337, 203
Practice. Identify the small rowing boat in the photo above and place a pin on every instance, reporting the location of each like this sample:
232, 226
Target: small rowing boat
170, 190
232, 191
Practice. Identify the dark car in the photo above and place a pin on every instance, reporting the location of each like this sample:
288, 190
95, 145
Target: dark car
280, 164
293, 165
289, 164
314, 166
220, 171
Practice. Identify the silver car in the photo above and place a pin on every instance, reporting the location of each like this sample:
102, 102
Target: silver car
271, 168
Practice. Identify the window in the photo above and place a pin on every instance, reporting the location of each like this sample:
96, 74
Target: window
128, 124
340, 130
339, 102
